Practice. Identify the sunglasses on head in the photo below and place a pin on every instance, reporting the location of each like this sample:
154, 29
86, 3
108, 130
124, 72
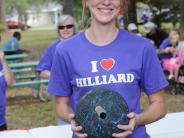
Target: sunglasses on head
69, 26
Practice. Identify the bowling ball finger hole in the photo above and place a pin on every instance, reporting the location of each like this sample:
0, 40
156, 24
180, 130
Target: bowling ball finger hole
103, 115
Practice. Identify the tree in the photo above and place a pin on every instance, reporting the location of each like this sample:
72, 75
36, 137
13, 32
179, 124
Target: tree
17, 5
170, 14
182, 13
2, 12
68, 7
129, 11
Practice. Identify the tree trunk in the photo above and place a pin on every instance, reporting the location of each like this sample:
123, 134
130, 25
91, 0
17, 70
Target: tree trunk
182, 13
2, 12
68, 7
130, 15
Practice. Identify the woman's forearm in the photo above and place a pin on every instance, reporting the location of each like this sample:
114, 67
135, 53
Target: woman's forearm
156, 110
45, 74
62, 108
7, 72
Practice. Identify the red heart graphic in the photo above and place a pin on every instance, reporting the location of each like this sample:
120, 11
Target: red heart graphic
107, 64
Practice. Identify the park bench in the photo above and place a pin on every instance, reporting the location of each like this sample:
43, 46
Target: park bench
15, 58
26, 76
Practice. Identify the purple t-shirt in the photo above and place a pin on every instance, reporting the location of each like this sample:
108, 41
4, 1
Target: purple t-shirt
166, 43
45, 62
127, 65
3, 86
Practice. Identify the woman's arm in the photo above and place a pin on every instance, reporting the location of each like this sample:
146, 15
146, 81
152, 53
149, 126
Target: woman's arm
45, 74
167, 50
64, 112
7, 72
156, 111
62, 108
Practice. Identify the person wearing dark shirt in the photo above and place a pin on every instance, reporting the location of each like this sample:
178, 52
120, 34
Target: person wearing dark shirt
155, 34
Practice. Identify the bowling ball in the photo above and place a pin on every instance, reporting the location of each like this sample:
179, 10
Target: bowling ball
99, 112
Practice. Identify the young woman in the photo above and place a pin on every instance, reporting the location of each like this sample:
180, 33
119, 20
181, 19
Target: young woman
6, 78
105, 57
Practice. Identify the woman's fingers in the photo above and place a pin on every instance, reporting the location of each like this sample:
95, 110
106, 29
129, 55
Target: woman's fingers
122, 135
81, 135
76, 129
71, 117
126, 127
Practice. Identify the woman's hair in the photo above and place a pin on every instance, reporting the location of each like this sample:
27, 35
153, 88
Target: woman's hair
174, 36
124, 4
63, 18
174, 31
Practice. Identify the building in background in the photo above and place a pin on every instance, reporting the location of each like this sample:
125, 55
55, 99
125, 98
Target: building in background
48, 13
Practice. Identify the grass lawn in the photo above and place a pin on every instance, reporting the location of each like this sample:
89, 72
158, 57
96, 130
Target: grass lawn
24, 111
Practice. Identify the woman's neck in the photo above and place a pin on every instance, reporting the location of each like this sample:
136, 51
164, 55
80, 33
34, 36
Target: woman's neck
101, 34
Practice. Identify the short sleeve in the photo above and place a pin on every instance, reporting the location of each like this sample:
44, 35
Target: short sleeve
164, 44
59, 83
45, 62
153, 78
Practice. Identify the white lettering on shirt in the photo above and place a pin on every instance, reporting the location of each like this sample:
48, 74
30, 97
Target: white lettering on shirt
105, 79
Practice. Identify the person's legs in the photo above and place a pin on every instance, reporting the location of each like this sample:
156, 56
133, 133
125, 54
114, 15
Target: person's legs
166, 64
3, 127
173, 67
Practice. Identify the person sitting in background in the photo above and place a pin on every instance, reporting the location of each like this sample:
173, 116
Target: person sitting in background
155, 34
6, 78
168, 53
12, 46
66, 28
133, 29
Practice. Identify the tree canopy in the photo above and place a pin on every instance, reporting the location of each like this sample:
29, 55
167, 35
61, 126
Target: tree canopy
163, 10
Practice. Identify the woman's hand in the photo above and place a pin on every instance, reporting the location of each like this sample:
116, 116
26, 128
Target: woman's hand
167, 50
128, 129
76, 129
1, 56
172, 49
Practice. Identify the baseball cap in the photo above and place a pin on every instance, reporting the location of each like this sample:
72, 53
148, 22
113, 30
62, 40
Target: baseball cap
132, 27
149, 26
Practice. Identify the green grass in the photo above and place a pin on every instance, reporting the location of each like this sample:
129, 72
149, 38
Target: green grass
43, 27
165, 26
24, 111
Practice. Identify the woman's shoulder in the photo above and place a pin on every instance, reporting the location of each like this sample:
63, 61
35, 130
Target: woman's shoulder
70, 44
53, 45
135, 40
